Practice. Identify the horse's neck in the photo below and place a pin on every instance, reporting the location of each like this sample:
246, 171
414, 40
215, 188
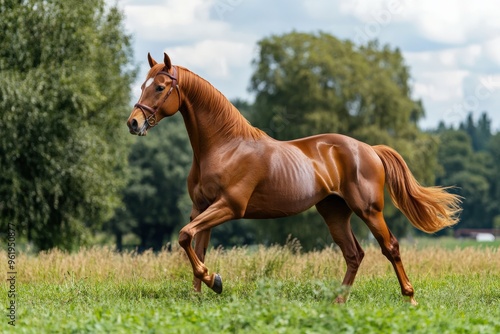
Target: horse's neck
211, 120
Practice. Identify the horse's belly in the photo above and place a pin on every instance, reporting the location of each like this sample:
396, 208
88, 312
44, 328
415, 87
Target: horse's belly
279, 204
290, 188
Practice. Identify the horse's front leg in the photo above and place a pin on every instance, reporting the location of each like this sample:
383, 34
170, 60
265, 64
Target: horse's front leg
201, 241
216, 214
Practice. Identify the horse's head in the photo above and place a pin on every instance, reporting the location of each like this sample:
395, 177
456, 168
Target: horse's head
160, 97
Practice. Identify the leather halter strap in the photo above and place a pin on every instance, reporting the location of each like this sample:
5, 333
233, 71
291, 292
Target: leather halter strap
151, 118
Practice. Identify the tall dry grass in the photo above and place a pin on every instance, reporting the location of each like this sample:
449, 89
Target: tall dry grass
247, 264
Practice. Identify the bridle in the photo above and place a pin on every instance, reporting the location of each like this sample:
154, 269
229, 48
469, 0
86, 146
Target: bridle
151, 118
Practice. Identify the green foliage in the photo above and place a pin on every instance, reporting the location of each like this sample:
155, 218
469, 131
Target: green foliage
64, 84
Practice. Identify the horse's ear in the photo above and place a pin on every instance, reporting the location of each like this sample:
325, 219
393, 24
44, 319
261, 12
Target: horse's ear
166, 60
151, 61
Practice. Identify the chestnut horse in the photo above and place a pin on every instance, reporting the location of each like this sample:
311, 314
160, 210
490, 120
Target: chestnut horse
240, 172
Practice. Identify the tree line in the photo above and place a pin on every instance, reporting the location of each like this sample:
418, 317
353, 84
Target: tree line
70, 170
470, 158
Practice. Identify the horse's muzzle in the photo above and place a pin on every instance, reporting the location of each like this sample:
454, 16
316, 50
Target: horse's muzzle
135, 128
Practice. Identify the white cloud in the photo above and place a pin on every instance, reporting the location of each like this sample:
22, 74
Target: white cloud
468, 57
456, 94
173, 20
480, 93
381, 11
440, 86
193, 37
455, 81
457, 22
491, 50
444, 21
440, 21
216, 58
323, 9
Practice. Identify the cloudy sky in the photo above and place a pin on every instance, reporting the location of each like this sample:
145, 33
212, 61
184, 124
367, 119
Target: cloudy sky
451, 46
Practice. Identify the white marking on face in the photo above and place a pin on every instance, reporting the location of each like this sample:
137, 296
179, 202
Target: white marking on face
148, 82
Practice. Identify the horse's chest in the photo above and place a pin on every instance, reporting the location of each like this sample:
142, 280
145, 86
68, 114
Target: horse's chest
206, 188
204, 192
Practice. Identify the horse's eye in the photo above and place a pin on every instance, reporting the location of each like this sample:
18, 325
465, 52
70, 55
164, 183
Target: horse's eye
160, 88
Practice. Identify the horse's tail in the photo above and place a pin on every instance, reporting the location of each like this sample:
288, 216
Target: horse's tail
429, 209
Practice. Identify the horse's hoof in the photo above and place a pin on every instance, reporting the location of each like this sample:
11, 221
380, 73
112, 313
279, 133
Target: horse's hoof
340, 300
217, 287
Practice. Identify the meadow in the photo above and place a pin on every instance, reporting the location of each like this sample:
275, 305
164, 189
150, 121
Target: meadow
266, 290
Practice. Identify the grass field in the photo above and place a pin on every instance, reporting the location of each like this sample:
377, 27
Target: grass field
266, 290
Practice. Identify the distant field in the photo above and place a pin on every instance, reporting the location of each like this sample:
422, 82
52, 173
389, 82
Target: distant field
453, 243
266, 290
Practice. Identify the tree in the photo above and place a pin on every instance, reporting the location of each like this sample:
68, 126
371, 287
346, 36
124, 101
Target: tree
479, 133
307, 84
64, 85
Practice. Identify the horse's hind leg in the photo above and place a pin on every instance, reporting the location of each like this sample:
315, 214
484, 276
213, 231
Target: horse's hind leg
337, 216
371, 213
390, 248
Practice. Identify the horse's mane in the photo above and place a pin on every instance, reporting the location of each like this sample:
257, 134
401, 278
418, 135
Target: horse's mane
222, 112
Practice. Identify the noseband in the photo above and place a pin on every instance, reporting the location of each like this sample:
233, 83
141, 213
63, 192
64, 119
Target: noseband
151, 118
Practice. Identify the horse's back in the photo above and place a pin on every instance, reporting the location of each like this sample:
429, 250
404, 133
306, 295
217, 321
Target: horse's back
341, 160
338, 140
348, 149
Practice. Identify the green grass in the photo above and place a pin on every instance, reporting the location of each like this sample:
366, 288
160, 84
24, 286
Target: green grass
271, 290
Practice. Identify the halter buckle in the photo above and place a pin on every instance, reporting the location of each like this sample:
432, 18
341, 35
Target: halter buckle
151, 120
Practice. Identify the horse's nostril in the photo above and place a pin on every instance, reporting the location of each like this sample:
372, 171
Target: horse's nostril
134, 124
